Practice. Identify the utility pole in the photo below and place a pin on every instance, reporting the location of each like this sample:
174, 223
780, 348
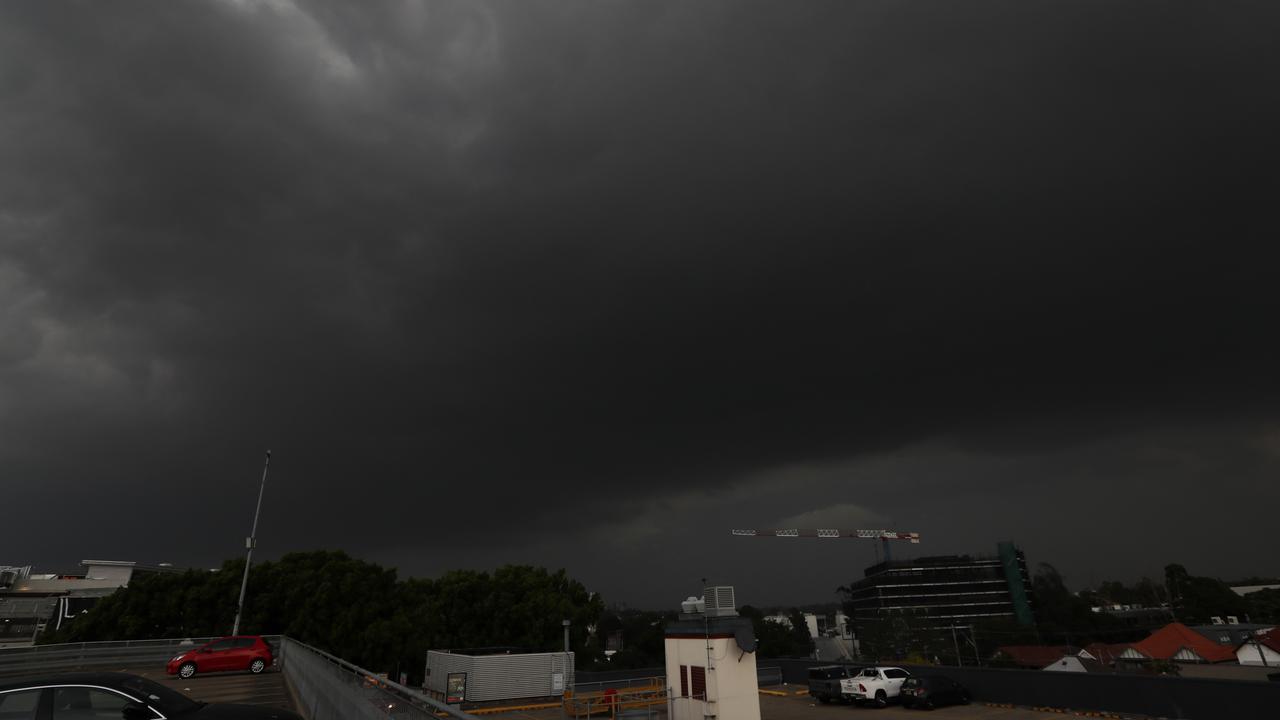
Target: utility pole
249, 544
566, 624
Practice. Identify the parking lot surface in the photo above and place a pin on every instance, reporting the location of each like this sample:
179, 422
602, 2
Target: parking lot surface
267, 689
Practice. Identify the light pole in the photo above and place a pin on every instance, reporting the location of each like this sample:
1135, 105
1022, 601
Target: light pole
566, 624
249, 544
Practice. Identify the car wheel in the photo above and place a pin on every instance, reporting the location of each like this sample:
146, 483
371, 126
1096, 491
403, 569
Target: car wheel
257, 666
187, 670
881, 699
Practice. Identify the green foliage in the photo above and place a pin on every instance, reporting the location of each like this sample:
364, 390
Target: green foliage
1197, 599
1060, 613
1264, 606
776, 640
356, 610
1144, 593
643, 639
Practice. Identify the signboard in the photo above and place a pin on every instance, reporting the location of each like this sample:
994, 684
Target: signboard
456, 688
557, 682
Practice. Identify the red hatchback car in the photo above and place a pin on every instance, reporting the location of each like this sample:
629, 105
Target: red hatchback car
244, 652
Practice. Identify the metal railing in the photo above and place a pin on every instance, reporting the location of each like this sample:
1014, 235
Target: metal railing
648, 702
624, 684
109, 655
330, 688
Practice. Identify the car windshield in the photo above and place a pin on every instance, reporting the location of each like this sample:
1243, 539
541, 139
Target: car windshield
168, 701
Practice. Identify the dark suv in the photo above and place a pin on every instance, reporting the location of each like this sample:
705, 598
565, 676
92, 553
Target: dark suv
930, 691
824, 682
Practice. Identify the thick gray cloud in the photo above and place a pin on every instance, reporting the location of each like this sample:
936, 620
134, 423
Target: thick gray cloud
587, 284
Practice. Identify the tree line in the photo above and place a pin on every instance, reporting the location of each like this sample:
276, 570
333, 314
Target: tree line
364, 613
354, 609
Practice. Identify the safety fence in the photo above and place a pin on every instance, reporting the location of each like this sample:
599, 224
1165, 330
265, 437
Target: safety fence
121, 655
766, 676
330, 688
635, 701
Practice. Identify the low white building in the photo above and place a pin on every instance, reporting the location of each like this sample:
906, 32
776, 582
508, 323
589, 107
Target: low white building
1243, 590
711, 661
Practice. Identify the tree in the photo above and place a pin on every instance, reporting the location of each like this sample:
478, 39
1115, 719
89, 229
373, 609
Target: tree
777, 640
1263, 606
1198, 599
354, 609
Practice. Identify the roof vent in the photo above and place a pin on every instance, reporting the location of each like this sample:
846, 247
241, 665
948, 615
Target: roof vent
693, 606
719, 601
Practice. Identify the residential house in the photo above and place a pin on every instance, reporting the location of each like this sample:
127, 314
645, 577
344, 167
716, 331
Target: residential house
1261, 649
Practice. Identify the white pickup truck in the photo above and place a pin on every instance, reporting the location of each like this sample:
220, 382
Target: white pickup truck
878, 685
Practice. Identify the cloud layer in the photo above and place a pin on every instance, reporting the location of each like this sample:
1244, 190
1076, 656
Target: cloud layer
585, 285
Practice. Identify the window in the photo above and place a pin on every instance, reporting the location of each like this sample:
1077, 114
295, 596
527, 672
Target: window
221, 645
698, 681
77, 703
19, 704
895, 674
684, 681
245, 642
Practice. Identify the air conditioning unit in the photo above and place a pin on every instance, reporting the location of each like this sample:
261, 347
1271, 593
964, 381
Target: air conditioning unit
1233, 620
719, 601
1215, 620
693, 606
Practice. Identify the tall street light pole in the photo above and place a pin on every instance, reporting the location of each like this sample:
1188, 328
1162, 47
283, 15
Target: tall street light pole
249, 544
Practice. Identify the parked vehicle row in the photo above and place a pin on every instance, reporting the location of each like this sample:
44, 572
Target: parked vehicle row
881, 685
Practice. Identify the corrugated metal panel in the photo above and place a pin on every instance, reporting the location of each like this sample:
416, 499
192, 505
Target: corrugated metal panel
502, 677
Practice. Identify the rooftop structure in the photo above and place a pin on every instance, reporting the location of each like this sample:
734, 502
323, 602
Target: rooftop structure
31, 602
711, 660
1230, 634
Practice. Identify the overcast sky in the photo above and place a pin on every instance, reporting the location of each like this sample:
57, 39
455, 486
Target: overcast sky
586, 284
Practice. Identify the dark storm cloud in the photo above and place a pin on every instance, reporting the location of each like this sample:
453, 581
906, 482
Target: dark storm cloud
530, 281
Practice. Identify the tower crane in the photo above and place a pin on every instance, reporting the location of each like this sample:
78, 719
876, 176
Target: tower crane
884, 536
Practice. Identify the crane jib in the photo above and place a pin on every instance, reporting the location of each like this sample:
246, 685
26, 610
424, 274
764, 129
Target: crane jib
912, 537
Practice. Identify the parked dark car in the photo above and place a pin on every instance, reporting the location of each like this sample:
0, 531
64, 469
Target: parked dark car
243, 652
930, 691
824, 682
115, 695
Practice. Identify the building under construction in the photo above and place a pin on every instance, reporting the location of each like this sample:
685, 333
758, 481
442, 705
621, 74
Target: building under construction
945, 591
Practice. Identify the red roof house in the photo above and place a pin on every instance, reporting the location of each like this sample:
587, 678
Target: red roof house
1106, 653
1261, 649
1176, 641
